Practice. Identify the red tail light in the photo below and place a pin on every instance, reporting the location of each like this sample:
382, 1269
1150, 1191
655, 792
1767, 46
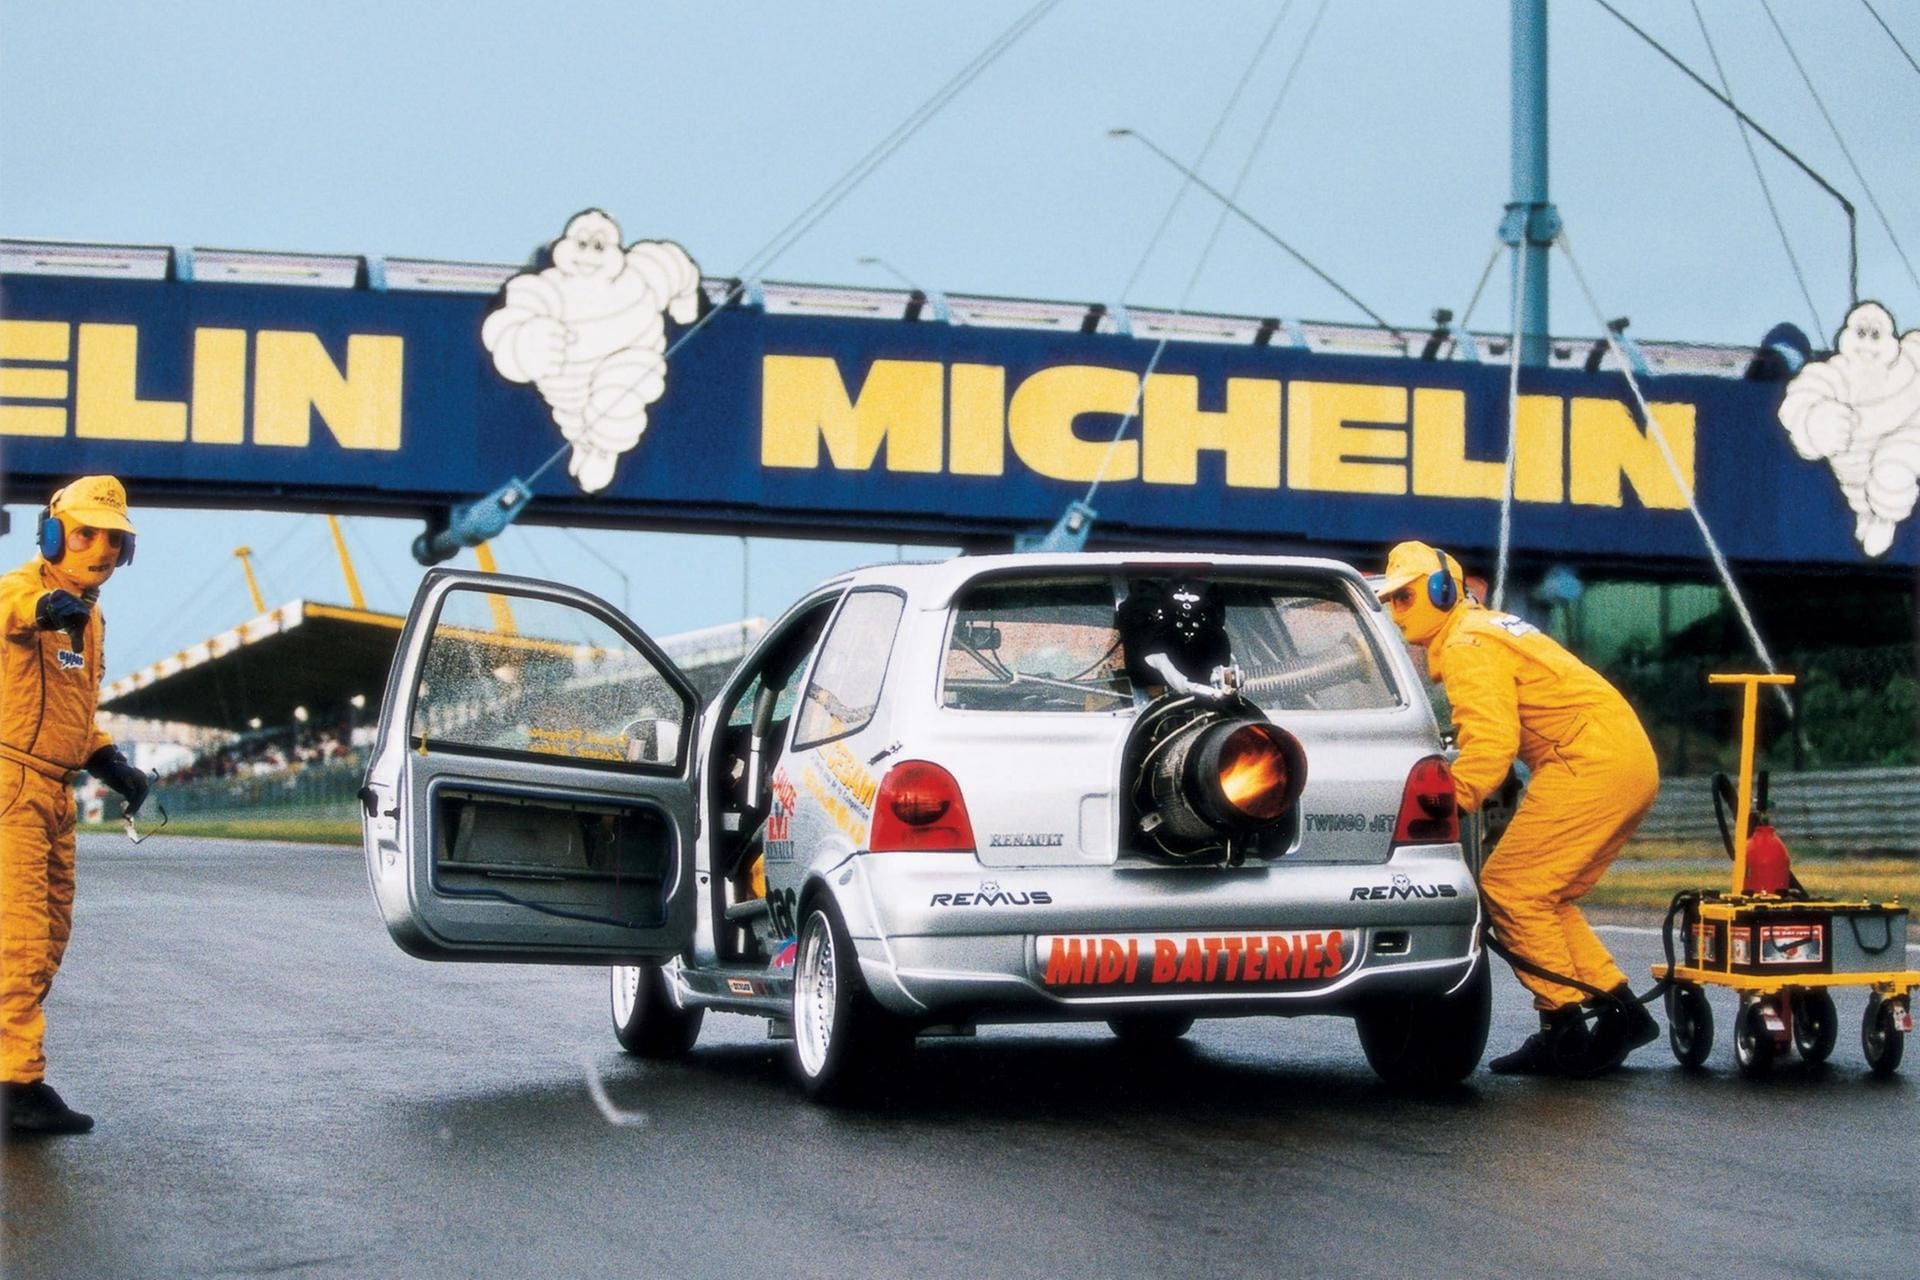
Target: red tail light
919, 809
1429, 813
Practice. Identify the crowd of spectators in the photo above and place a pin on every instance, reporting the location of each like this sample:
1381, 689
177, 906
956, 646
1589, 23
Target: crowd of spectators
264, 752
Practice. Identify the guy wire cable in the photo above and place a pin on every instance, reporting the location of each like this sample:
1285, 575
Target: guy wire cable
1193, 278
844, 185
1486, 274
1766, 191
1513, 423
1206, 150
1889, 30
1673, 467
1846, 205
1846, 151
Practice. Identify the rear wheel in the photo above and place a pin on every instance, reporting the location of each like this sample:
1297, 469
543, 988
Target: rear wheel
1424, 1042
1149, 1030
646, 1021
1689, 1024
1816, 1024
1881, 1038
842, 1040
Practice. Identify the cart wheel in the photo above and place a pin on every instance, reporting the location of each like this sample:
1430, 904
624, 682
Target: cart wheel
1752, 1042
1816, 1024
1689, 1024
1881, 1038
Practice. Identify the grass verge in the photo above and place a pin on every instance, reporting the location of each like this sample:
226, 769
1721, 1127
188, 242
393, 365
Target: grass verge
1651, 884
299, 830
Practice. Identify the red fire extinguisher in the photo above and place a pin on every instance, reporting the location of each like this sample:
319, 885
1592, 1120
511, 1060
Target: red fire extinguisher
1768, 870
1768, 867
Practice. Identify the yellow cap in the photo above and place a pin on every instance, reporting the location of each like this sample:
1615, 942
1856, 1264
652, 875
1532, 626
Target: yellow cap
1415, 562
97, 502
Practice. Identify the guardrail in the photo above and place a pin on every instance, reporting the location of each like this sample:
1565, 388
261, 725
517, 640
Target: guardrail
1854, 809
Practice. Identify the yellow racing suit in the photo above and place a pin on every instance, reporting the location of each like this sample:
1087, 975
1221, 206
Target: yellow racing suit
48, 691
1516, 692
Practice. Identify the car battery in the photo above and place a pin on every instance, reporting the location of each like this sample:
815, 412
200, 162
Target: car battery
1787, 939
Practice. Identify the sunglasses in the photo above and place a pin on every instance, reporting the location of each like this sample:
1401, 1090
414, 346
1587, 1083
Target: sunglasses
84, 536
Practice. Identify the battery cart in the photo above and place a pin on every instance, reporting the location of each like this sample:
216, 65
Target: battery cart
1781, 949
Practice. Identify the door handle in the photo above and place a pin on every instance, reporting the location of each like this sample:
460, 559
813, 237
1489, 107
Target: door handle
370, 803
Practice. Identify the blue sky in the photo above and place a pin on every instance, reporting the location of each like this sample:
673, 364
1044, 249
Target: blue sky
472, 130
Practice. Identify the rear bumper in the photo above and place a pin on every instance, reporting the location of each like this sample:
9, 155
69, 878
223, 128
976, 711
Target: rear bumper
940, 936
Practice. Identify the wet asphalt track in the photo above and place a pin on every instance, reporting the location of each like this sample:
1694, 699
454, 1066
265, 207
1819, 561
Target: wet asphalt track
282, 1092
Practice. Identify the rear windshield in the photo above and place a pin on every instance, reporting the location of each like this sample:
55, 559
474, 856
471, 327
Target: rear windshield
1054, 646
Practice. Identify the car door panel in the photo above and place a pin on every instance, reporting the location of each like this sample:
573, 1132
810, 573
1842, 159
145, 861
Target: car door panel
528, 798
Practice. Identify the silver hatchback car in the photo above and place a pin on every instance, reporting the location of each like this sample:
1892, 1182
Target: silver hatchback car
940, 795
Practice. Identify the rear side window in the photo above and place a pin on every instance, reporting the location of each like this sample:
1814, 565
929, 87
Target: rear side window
1302, 646
1049, 646
1055, 646
845, 689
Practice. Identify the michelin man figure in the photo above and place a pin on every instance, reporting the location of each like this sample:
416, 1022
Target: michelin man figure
588, 333
1860, 410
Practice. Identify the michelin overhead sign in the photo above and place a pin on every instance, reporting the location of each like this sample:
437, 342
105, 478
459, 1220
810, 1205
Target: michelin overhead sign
398, 401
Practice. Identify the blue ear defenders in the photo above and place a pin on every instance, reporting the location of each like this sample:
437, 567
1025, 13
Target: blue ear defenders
53, 538
1441, 589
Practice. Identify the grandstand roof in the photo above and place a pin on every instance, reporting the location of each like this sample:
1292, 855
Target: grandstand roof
319, 656
302, 654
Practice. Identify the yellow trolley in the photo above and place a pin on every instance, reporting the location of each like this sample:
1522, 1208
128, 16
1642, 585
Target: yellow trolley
1783, 953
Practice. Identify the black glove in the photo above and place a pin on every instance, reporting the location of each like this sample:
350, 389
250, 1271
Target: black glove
108, 765
61, 611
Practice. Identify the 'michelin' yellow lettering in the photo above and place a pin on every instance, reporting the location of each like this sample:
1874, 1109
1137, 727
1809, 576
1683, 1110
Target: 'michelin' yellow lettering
977, 420
1326, 452
44, 340
1040, 423
294, 377
106, 403
1441, 468
1607, 444
804, 403
219, 386
1174, 429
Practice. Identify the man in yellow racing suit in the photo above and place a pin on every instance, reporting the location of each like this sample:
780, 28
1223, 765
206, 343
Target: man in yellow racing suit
50, 663
1514, 691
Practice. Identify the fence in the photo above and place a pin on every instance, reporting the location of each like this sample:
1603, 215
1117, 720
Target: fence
1851, 809
314, 791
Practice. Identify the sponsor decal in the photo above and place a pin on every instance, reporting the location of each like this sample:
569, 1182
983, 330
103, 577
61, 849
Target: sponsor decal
1706, 943
741, 987
990, 894
1402, 888
69, 660
1196, 961
1741, 944
778, 845
1026, 840
1792, 944
1348, 822
783, 958
844, 789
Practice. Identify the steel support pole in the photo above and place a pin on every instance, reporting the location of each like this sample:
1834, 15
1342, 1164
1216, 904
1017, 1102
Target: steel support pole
1531, 222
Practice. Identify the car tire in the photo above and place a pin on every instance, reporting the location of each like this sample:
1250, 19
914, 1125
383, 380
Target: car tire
1429, 1042
1149, 1030
843, 1042
646, 1021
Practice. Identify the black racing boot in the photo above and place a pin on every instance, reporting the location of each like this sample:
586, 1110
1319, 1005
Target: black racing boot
1621, 1025
36, 1108
1561, 1047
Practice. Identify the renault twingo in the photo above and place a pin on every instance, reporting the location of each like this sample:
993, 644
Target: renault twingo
935, 796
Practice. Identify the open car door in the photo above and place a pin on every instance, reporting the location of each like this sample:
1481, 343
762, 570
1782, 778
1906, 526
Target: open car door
529, 796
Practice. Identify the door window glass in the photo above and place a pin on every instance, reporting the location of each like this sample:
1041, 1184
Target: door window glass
524, 675
1047, 646
845, 689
